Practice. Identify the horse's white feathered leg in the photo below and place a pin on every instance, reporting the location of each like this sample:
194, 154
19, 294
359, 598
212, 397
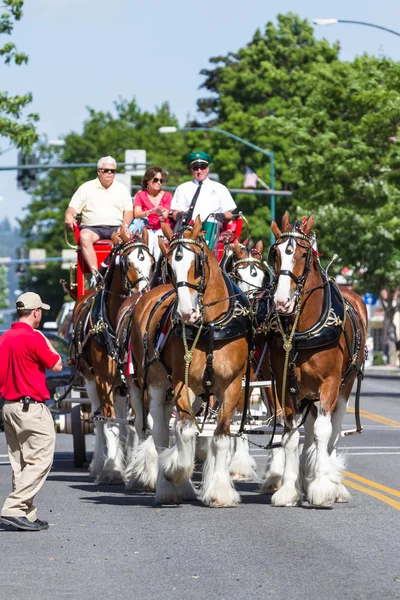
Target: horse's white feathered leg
100, 448
217, 488
114, 433
242, 466
289, 494
339, 462
274, 471
323, 489
142, 465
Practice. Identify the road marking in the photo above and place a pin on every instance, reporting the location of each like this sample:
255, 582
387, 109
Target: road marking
374, 417
372, 493
374, 484
369, 453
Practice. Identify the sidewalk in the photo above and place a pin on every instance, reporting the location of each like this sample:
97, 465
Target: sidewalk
384, 371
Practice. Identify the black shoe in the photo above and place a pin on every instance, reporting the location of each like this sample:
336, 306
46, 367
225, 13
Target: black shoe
43, 524
22, 523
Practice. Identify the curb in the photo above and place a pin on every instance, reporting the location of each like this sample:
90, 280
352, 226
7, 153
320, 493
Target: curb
382, 372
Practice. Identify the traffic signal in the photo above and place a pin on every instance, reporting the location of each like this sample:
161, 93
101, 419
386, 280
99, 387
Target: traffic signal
26, 178
21, 254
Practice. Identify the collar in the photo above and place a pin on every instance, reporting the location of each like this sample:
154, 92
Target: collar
21, 325
100, 185
203, 182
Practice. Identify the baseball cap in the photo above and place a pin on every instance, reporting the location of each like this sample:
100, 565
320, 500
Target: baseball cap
29, 301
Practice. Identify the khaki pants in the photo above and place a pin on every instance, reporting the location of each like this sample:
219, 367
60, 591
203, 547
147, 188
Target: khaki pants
30, 438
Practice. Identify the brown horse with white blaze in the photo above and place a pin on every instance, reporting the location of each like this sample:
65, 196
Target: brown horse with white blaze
316, 334
202, 302
94, 323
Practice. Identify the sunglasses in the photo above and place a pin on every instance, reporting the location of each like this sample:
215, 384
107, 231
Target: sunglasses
199, 166
107, 170
156, 180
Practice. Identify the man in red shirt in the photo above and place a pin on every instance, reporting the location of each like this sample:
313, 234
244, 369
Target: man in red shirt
25, 354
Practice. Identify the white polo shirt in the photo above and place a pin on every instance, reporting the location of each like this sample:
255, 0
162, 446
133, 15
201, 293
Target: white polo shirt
213, 198
101, 206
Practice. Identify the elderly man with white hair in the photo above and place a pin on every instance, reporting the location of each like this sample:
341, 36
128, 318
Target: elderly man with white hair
105, 204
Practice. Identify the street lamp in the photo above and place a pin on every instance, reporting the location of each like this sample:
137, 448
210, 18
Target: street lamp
271, 156
334, 21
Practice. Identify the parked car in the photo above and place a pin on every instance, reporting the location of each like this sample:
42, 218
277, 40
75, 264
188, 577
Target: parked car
63, 323
53, 380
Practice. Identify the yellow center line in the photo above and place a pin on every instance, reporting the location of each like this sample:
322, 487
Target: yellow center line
376, 418
374, 484
377, 495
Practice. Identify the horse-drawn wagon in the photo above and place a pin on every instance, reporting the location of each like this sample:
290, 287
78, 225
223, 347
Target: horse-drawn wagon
191, 337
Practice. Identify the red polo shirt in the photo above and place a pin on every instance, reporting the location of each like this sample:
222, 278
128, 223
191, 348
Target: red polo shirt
24, 357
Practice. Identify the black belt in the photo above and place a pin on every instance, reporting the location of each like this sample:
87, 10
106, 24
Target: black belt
25, 399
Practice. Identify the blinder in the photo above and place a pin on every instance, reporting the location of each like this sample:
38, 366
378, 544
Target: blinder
294, 238
200, 259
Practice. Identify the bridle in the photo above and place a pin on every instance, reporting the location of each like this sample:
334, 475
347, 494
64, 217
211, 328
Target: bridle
294, 240
200, 261
255, 263
127, 248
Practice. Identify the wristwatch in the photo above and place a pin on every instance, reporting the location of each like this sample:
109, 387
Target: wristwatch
171, 214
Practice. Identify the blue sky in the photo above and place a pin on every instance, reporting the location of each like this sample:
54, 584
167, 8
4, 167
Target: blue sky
91, 52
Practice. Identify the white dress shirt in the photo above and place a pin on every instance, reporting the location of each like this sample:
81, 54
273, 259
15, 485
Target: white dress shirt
213, 198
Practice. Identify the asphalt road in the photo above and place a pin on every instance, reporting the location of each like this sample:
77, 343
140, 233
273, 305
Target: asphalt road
107, 543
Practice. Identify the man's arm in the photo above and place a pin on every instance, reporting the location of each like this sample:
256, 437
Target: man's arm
57, 368
70, 217
128, 218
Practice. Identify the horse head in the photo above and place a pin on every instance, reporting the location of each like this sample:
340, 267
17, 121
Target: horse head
136, 260
186, 260
248, 270
291, 258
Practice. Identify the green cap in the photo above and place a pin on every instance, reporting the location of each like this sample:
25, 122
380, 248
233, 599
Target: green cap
197, 156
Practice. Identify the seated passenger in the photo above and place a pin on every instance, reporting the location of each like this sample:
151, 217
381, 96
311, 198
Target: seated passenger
153, 204
201, 196
106, 206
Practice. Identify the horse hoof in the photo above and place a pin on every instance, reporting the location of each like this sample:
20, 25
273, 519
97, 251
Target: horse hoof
111, 478
240, 477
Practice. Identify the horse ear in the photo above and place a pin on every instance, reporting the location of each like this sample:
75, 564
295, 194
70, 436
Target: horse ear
260, 246
162, 246
309, 225
145, 236
237, 247
194, 234
275, 230
250, 245
286, 222
167, 231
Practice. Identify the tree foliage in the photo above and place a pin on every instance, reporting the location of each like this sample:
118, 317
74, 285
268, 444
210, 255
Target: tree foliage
22, 135
329, 123
332, 125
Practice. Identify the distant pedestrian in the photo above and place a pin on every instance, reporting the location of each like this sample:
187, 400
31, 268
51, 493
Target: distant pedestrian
25, 354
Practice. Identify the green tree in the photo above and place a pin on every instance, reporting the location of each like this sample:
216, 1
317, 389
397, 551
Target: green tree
4, 303
22, 135
329, 123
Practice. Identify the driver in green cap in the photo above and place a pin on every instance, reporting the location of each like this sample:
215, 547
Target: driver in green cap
212, 197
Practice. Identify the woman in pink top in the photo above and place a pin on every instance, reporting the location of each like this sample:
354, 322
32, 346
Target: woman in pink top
153, 204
